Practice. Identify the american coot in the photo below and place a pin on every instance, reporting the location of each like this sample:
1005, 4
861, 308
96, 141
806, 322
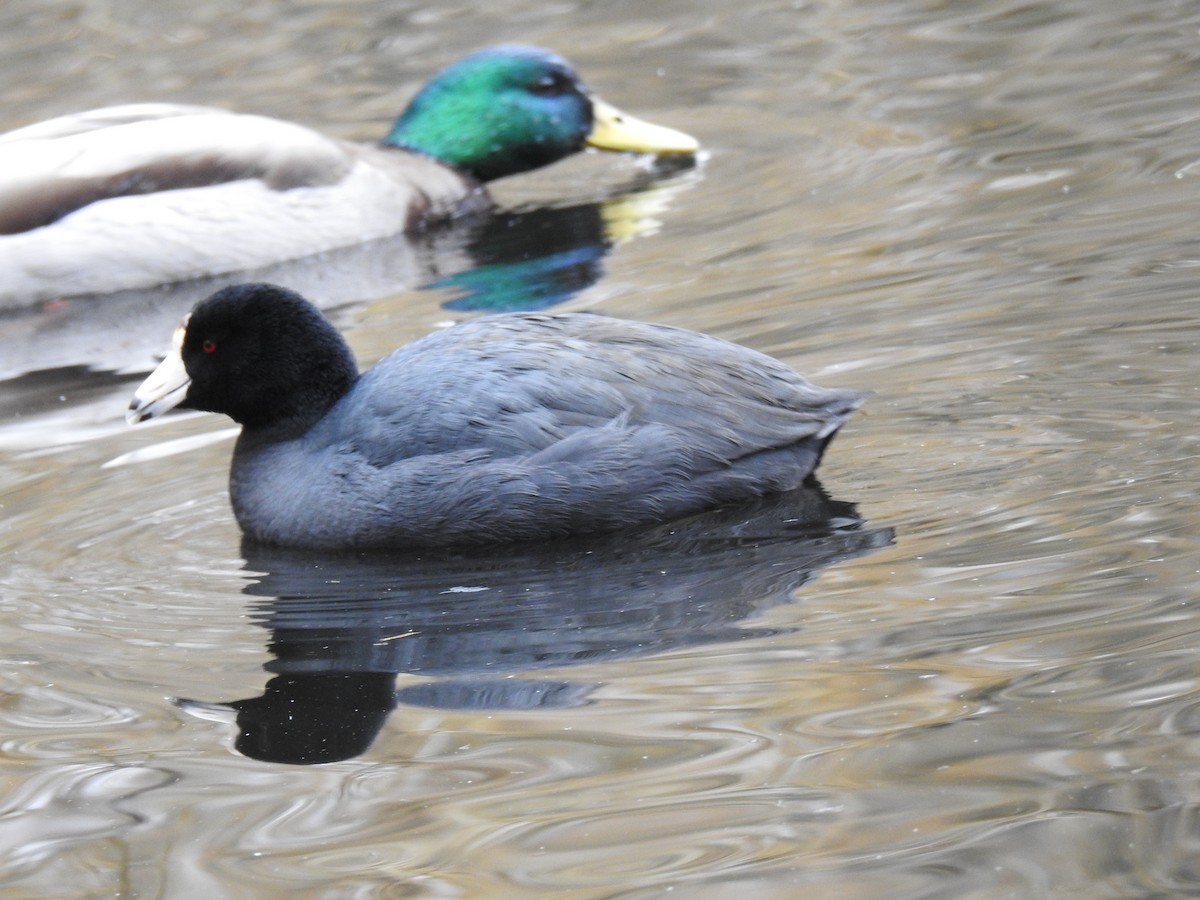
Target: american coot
507, 427
134, 196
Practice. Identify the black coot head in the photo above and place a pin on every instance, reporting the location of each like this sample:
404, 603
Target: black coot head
262, 354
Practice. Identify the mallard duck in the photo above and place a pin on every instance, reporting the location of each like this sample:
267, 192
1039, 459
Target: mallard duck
517, 426
134, 196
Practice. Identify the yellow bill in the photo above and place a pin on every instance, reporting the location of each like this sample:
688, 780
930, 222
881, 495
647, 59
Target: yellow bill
615, 130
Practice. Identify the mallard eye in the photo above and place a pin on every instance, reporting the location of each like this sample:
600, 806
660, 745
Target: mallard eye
552, 84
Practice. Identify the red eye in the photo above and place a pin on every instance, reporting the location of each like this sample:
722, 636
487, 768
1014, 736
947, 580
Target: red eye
209, 346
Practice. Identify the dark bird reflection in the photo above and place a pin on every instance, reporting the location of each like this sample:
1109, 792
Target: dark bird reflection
464, 625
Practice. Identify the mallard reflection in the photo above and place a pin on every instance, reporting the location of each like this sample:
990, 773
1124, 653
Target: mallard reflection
535, 258
530, 258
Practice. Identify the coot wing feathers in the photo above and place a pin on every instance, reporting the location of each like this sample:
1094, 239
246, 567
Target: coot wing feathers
522, 386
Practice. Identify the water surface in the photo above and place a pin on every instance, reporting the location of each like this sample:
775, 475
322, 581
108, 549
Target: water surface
974, 674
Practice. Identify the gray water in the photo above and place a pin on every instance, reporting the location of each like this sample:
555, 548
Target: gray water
979, 680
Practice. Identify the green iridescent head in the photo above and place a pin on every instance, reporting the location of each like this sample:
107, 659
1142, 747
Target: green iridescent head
509, 109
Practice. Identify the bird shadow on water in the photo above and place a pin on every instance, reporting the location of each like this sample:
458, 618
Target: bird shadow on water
470, 630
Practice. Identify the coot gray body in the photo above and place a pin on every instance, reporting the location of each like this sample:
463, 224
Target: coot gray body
508, 427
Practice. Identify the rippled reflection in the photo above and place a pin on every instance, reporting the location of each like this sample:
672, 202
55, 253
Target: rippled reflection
530, 258
535, 258
342, 628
